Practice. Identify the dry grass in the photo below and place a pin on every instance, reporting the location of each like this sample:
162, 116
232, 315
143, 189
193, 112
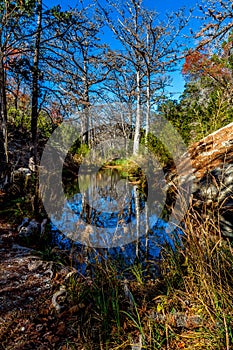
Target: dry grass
187, 306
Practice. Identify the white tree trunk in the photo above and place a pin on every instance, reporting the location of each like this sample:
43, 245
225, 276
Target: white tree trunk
138, 117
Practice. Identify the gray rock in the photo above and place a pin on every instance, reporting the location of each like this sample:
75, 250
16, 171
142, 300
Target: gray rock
29, 228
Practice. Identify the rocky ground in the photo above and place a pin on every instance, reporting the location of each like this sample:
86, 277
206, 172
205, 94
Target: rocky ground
29, 297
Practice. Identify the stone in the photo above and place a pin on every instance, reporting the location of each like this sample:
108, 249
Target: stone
29, 228
211, 182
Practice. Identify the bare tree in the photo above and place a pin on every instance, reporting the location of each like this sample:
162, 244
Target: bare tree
35, 78
13, 16
150, 47
218, 21
82, 64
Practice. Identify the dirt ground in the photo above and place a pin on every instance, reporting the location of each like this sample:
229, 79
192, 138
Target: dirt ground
28, 316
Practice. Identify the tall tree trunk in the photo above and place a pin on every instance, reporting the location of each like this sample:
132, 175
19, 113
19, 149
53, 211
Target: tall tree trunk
35, 95
86, 103
148, 107
138, 74
3, 121
35, 79
138, 116
148, 87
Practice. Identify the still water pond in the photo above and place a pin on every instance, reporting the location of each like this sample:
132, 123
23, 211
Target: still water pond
110, 210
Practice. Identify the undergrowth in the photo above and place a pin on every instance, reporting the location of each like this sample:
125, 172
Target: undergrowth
187, 306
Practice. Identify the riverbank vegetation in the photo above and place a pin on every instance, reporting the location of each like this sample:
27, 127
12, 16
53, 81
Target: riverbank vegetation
55, 67
180, 301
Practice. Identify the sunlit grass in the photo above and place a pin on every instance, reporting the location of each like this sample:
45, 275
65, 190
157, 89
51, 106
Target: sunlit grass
188, 306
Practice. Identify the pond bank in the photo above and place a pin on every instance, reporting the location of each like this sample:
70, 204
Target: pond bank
49, 304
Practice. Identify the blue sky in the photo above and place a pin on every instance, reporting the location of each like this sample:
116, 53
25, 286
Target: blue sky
162, 7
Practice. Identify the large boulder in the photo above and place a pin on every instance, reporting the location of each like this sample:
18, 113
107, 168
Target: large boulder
212, 178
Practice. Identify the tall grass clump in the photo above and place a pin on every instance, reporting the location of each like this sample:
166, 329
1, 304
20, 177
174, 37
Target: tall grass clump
186, 305
199, 275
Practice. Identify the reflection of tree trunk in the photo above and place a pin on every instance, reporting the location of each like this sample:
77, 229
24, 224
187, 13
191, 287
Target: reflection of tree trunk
147, 231
137, 211
86, 209
83, 211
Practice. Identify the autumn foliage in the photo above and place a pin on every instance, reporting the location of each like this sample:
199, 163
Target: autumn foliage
199, 64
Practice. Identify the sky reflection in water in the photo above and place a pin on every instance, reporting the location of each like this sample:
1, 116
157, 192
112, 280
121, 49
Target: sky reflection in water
107, 211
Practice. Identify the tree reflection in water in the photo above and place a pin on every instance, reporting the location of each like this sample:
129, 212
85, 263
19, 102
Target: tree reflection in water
111, 213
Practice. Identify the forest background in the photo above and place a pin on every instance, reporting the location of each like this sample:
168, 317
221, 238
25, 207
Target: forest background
59, 62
